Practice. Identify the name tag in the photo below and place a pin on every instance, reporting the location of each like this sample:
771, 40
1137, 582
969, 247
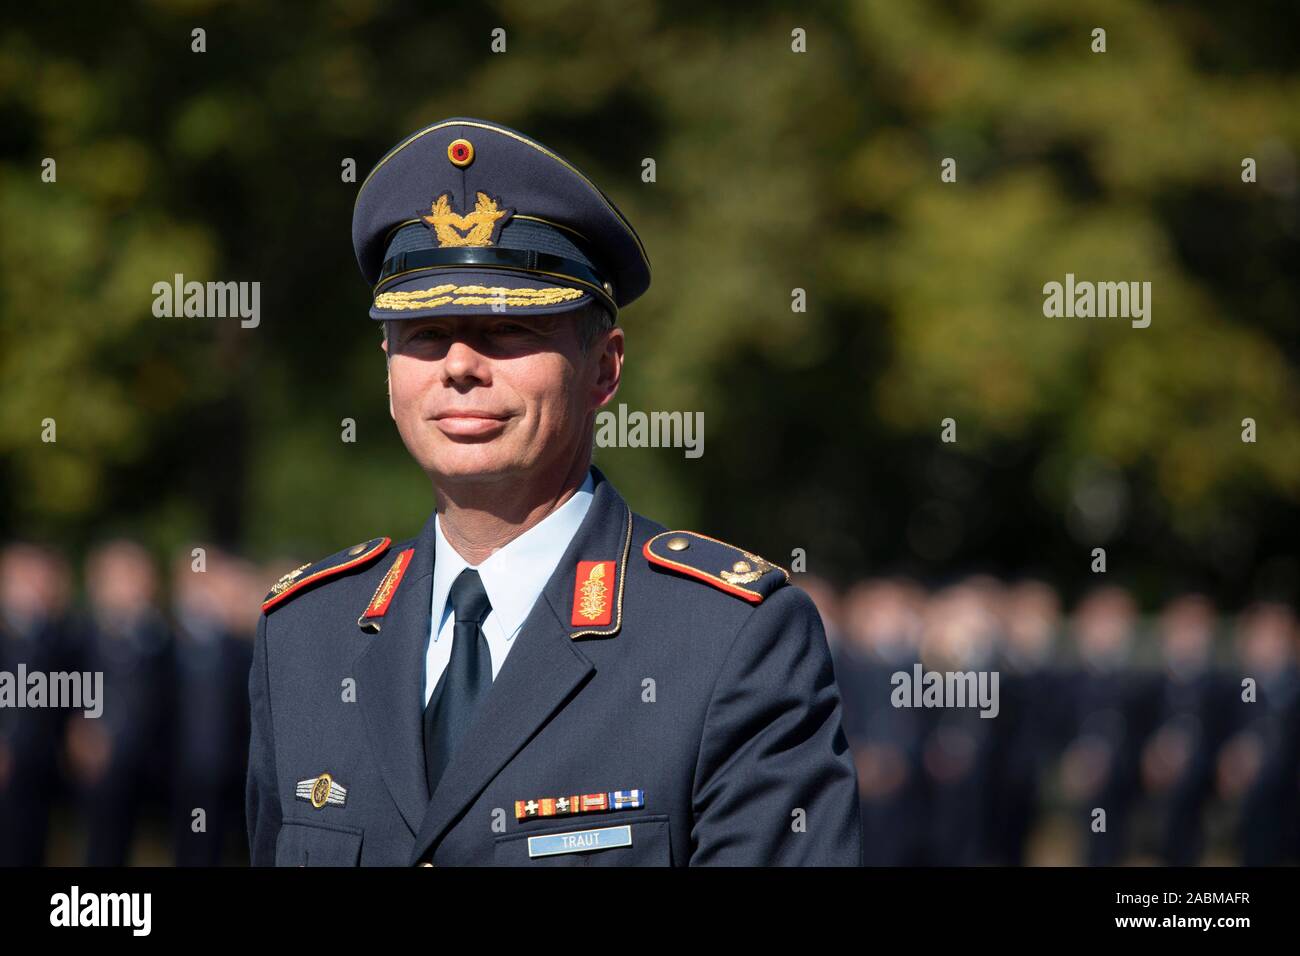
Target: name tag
579, 841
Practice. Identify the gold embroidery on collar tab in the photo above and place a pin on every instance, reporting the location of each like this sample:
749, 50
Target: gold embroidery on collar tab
448, 294
593, 594
472, 229
386, 585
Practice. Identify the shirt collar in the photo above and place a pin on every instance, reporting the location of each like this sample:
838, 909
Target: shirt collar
513, 576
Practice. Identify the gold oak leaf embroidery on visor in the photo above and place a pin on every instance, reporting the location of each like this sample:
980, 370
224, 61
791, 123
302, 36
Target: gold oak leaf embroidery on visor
473, 295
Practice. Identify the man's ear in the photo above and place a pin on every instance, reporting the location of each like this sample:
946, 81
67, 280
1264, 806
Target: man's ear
610, 368
388, 378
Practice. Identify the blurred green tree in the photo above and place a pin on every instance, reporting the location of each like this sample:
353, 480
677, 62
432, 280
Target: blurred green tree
775, 170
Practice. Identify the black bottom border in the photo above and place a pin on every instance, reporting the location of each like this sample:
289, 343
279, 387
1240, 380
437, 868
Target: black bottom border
618, 906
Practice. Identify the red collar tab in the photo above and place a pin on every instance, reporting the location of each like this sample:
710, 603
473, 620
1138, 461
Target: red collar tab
598, 591
594, 588
308, 575
383, 596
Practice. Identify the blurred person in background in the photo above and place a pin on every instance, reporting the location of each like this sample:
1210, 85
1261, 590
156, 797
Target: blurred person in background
1260, 764
34, 597
960, 635
827, 598
214, 600
882, 621
1030, 725
1195, 704
1112, 705
120, 758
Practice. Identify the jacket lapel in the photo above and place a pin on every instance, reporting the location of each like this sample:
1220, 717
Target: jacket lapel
542, 672
390, 679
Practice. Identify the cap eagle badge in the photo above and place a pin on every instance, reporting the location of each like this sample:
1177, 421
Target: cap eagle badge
482, 227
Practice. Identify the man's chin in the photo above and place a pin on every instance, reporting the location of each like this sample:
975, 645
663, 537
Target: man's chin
471, 464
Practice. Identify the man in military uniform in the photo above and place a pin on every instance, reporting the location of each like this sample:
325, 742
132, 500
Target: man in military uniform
541, 676
1197, 703
115, 759
1260, 763
1113, 704
35, 634
883, 622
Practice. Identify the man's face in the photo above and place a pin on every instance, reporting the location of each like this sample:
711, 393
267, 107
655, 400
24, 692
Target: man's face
497, 397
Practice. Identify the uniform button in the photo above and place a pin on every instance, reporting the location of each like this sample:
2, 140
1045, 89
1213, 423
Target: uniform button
678, 544
426, 863
357, 550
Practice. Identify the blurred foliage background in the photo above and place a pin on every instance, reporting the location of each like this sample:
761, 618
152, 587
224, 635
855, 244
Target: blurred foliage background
775, 170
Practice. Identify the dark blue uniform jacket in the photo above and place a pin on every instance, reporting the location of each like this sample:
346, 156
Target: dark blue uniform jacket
710, 692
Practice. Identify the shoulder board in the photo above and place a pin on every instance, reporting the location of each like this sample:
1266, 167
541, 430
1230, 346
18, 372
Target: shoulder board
723, 565
310, 574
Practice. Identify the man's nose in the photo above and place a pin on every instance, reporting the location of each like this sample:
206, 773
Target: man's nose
463, 361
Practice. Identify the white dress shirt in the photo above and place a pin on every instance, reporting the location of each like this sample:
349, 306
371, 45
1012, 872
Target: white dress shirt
513, 577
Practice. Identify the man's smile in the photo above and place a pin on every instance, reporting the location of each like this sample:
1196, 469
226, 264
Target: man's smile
469, 423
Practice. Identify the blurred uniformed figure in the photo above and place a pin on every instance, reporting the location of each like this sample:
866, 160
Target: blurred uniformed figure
1260, 764
1029, 727
961, 635
826, 599
121, 757
541, 676
33, 635
1113, 703
213, 652
1196, 703
882, 620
